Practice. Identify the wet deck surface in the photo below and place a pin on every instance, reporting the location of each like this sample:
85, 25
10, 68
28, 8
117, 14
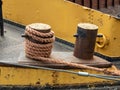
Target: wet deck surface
12, 44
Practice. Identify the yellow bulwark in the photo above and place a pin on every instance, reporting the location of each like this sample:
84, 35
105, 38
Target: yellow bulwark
38, 77
64, 16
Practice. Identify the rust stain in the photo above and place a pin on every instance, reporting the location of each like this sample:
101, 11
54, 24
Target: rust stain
7, 76
38, 82
55, 76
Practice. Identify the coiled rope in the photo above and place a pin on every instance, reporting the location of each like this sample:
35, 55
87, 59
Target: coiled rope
38, 46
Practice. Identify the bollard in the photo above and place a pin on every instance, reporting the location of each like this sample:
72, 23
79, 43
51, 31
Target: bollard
85, 40
39, 40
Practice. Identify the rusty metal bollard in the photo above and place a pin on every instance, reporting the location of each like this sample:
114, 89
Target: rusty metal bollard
85, 40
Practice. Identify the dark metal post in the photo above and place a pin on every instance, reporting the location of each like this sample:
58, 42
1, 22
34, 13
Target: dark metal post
85, 40
1, 20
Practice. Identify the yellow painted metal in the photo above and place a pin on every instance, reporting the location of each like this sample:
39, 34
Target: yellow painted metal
64, 16
37, 77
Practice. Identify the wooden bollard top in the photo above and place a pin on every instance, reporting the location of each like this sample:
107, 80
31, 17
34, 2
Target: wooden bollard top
88, 26
40, 27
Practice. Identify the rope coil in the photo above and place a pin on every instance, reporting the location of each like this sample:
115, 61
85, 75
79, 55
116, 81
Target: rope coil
37, 43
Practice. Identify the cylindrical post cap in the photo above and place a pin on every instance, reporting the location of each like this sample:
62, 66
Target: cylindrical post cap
85, 40
40, 27
87, 26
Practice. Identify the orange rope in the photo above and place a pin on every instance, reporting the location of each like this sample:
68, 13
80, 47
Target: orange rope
43, 43
41, 50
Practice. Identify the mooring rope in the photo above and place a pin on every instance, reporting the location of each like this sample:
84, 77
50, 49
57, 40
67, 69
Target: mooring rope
38, 46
